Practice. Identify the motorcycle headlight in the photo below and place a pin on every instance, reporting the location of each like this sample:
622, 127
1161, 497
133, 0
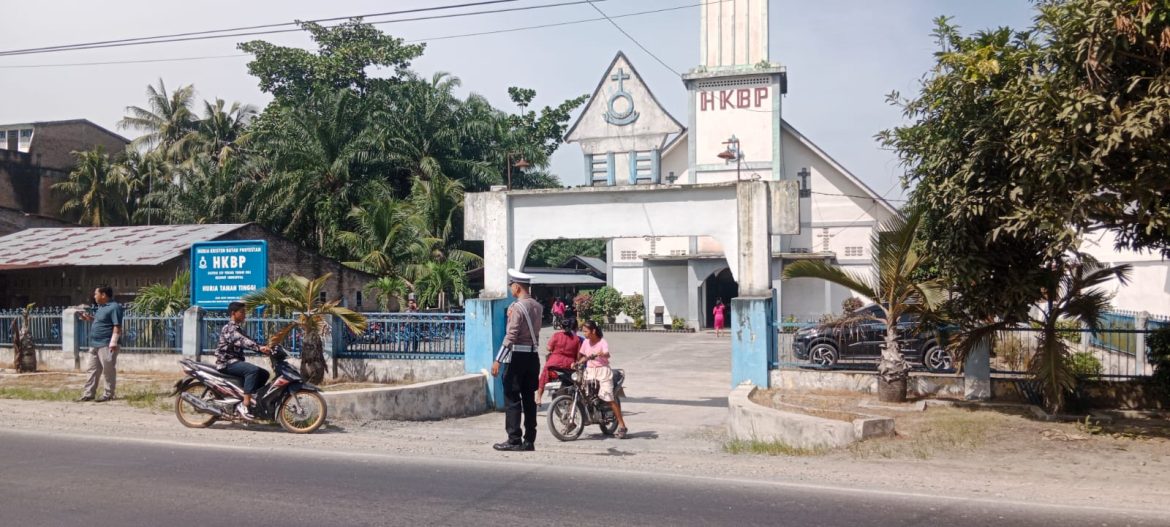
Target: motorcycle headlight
576, 376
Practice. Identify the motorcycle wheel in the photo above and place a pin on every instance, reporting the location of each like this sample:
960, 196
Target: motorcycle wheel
559, 422
608, 424
302, 412
188, 414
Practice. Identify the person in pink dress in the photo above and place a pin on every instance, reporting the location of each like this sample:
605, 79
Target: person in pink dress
595, 350
563, 350
719, 312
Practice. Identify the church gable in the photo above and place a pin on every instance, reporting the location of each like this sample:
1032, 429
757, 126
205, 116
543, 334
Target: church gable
622, 115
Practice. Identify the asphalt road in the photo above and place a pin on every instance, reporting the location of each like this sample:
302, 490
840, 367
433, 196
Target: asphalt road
55, 480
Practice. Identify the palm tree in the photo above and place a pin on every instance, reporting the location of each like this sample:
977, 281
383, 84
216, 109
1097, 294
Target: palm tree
441, 281
220, 133
210, 191
318, 152
142, 174
165, 121
893, 287
438, 206
1069, 290
165, 299
389, 290
95, 192
302, 298
385, 239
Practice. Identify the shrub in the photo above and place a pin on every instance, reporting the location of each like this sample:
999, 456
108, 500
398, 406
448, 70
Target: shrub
1069, 330
678, 323
583, 303
607, 303
635, 308
1084, 364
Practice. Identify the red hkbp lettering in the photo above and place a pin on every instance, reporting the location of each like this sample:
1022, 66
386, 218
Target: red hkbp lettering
733, 99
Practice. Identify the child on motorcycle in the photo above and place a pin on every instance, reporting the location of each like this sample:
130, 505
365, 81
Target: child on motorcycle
595, 352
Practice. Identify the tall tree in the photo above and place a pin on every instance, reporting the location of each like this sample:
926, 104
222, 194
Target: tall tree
166, 119
385, 239
96, 194
220, 133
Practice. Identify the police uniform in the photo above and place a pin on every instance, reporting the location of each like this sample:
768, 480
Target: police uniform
520, 360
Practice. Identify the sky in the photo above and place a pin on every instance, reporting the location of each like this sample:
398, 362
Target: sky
843, 57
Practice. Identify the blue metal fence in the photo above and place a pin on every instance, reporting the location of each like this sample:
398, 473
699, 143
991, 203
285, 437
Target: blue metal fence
259, 329
44, 324
408, 336
149, 333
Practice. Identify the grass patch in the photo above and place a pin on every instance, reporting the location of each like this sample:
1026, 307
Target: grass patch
146, 398
37, 394
769, 448
938, 432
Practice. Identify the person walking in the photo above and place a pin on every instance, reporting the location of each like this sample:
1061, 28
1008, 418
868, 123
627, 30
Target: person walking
520, 359
104, 335
719, 312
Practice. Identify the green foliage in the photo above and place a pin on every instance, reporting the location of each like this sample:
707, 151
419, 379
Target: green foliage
583, 304
634, 306
1069, 330
95, 191
345, 54
607, 302
302, 299
553, 253
388, 291
440, 283
1158, 353
678, 323
1083, 364
165, 299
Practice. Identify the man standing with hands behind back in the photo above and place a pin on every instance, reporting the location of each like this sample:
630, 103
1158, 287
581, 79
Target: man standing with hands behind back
103, 341
520, 358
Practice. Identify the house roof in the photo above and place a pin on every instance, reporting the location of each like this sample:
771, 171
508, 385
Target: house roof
544, 277
65, 122
104, 246
597, 264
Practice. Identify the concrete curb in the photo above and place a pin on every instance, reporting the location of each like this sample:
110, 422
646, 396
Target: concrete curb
427, 401
749, 421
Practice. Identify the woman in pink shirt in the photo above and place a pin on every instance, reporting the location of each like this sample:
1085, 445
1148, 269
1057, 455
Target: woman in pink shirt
595, 350
719, 311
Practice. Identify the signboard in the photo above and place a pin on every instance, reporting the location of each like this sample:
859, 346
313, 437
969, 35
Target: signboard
223, 272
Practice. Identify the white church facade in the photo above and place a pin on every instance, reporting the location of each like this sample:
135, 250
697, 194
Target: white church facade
734, 130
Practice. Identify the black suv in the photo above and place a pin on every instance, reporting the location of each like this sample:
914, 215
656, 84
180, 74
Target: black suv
826, 345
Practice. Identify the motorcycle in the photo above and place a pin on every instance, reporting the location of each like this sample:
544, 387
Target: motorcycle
575, 404
206, 395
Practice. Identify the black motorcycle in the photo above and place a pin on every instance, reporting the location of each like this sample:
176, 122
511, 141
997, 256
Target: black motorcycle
576, 405
206, 395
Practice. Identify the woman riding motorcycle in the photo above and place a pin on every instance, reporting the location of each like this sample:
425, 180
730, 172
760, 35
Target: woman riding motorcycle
563, 349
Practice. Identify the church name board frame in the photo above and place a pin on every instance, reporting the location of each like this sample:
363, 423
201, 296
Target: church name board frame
223, 272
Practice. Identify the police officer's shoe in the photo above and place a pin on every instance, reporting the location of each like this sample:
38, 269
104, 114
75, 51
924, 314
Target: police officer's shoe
508, 447
527, 447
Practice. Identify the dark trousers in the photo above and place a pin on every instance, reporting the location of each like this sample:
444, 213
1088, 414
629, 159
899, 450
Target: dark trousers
254, 376
520, 380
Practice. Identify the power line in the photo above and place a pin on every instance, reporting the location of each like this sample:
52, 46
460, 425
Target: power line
246, 30
632, 39
445, 37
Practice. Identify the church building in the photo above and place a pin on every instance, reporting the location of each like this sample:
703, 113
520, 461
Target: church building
734, 129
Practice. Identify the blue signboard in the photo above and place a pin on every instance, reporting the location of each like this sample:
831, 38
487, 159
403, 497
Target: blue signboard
223, 272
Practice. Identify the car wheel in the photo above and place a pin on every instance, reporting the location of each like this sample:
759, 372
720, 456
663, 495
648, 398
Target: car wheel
936, 359
823, 355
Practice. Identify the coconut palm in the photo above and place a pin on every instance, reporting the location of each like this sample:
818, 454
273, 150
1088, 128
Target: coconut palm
165, 121
165, 299
1070, 289
142, 174
95, 192
389, 290
302, 298
440, 282
385, 238
211, 192
893, 287
220, 133
438, 207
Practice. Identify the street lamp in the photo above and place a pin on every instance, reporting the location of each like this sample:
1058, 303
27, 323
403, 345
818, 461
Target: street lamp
521, 164
732, 152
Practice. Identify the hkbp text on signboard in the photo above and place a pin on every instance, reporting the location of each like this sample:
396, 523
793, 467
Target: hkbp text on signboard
223, 272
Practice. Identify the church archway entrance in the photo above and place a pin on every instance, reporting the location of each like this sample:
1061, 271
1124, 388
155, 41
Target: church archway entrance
718, 286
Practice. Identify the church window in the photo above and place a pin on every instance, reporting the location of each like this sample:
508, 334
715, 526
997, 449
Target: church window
854, 251
678, 252
629, 255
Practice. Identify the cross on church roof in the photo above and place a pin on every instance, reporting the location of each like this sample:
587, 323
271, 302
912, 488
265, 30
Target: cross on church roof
620, 76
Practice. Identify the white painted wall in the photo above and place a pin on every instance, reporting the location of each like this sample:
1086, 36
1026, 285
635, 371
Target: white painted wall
667, 288
627, 280
1149, 286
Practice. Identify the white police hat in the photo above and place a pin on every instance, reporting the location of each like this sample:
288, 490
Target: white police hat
517, 277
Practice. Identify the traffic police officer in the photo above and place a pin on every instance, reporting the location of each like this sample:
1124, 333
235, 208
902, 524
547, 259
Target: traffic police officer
521, 362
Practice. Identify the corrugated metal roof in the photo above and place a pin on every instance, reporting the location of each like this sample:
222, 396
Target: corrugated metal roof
92, 246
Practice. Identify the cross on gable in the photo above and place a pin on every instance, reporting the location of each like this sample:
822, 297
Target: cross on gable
825, 237
621, 76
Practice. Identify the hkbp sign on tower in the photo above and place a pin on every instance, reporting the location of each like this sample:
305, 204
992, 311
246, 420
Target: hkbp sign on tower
223, 272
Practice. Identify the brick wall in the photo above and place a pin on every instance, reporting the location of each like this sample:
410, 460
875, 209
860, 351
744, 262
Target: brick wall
54, 143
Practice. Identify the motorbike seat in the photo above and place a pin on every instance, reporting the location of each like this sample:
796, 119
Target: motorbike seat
209, 368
